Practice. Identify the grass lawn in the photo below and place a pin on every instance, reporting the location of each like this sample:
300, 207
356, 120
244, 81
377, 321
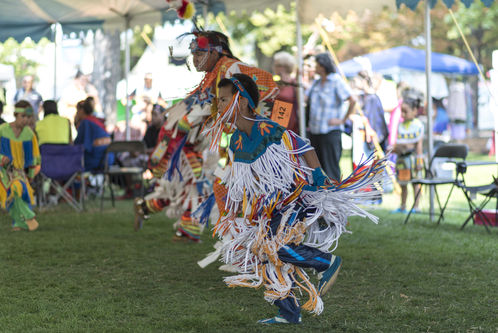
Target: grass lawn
92, 272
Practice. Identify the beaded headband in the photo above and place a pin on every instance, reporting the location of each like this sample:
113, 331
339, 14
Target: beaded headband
201, 43
243, 92
28, 110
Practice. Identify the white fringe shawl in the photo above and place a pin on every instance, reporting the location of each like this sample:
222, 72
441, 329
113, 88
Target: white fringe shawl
273, 171
336, 205
247, 245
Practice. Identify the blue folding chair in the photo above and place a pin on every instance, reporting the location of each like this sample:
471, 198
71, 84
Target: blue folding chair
62, 164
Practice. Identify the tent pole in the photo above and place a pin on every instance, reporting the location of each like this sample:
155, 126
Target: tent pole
428, 71
300, 88
54, 37
127, 72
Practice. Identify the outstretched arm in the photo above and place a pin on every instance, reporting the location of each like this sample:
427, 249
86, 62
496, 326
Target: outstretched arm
312, 159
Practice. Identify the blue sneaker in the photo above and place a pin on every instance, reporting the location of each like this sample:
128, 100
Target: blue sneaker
399, 210
328, 277
278, 319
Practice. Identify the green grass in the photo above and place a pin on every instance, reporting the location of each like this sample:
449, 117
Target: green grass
90, 272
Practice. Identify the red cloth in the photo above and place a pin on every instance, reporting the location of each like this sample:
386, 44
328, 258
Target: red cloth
96, 121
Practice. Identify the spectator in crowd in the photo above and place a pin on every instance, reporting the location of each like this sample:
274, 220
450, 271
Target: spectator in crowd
441, 119
147, 91
1, 112
137, 130
19, 163
375, 123
145, 95
128, 159
409, 146
79, 89
53, 128
91, 134
395, 116
152, 133
28, 93
283, 66
326, 117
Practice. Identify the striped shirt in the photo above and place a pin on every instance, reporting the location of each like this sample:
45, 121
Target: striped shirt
327, 102
410, 131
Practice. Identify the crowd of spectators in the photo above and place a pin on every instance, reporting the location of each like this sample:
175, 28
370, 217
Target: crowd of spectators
331, 109
76, 119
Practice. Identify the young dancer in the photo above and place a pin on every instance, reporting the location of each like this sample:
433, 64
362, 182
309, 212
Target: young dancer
276, 193
19, 152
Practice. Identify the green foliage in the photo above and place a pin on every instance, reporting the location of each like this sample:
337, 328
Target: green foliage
14, 53
359, 32
479, 25
261, 34
274, 30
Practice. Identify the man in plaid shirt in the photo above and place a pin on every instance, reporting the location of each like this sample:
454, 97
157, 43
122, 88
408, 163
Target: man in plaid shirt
326, 99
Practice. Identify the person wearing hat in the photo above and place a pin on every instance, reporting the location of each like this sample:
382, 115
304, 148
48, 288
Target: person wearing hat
326, 99
19, 152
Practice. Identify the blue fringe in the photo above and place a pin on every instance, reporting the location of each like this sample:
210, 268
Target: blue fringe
175, 158
205, 210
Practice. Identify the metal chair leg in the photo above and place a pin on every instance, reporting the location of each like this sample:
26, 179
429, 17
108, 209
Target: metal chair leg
112, 191
443, 208
413, 206
102, 194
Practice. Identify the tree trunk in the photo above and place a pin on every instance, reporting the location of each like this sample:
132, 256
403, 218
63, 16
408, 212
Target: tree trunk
264, 62
107, 71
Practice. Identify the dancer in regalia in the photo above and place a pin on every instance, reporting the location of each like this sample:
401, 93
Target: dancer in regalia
19, 163
282, 214
177, 160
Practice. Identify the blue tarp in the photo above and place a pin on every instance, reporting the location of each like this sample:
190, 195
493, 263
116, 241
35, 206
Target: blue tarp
405, 57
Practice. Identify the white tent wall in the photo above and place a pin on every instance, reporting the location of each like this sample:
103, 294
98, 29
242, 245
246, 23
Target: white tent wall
173, 81
7, 82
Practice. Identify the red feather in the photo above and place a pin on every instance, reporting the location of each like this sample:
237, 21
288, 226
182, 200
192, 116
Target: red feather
202, 42
183, 7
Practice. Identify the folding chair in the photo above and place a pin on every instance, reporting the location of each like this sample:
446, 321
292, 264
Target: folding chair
116, 147
453, 153
63, 164
489, 192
